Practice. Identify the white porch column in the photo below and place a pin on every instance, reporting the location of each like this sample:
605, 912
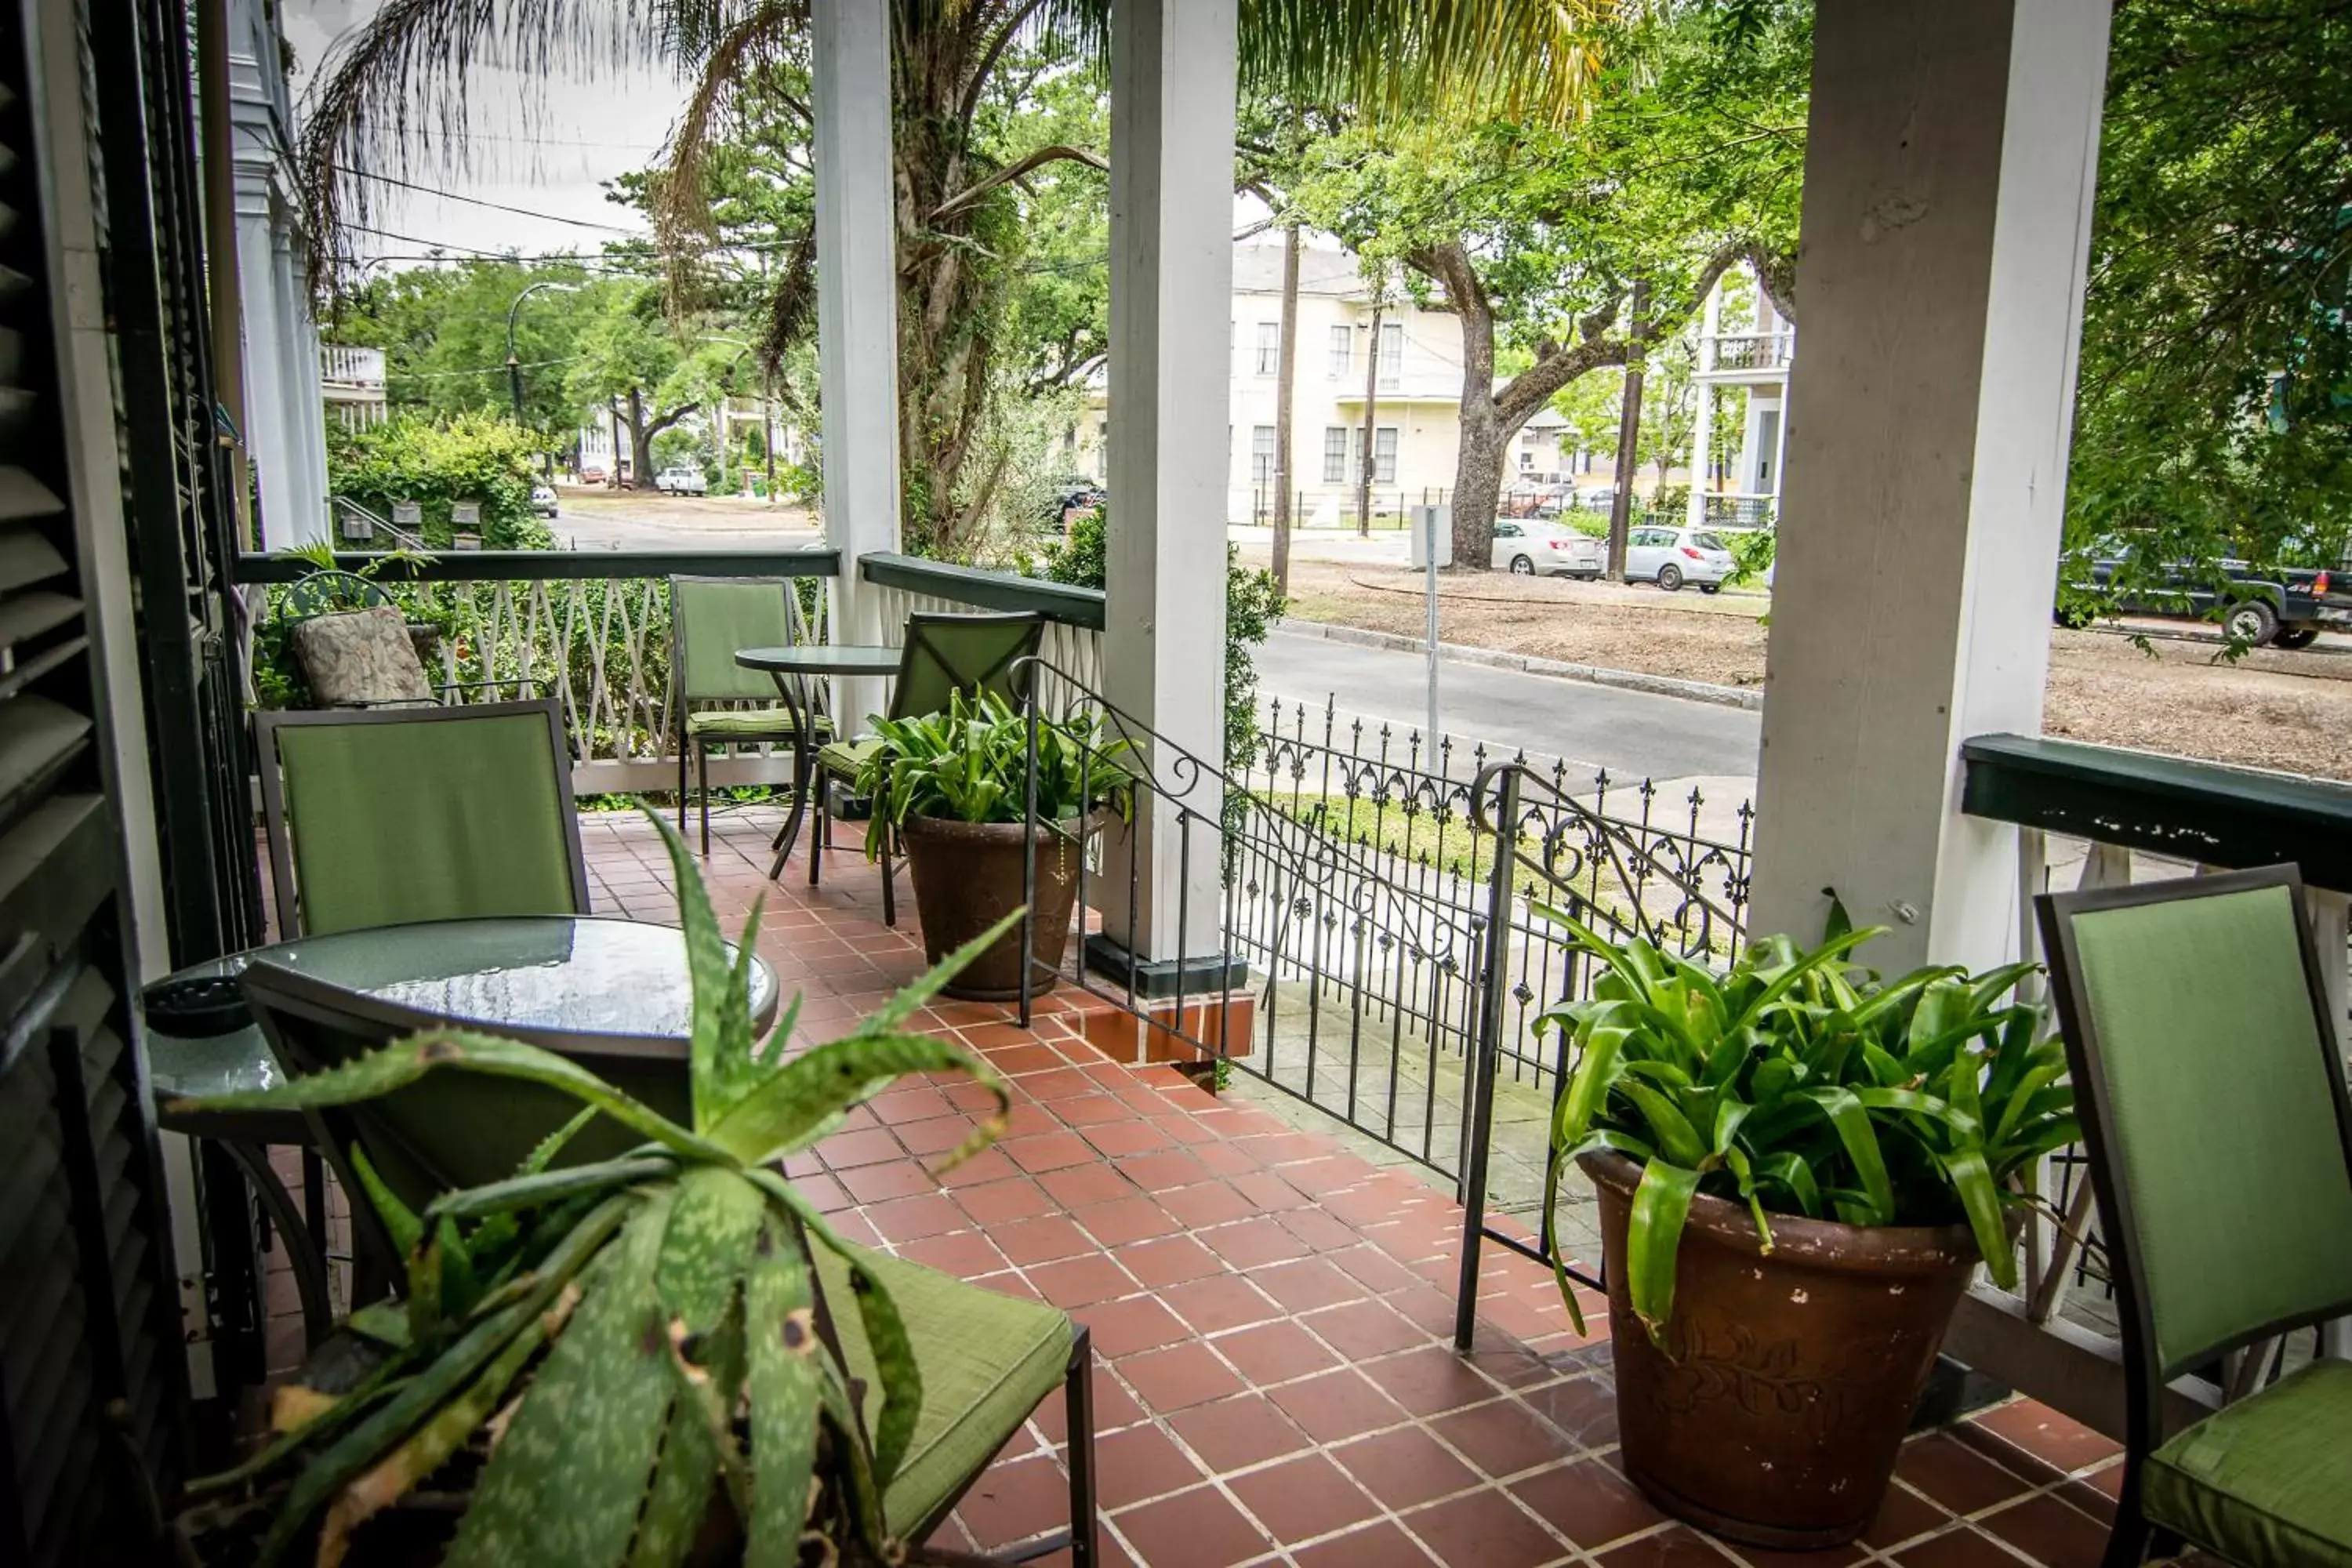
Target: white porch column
1171, 203
1951, 160
301, 490
265, 391
1703, 425
856, 317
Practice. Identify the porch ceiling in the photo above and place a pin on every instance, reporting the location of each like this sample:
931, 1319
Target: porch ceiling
1271, 1313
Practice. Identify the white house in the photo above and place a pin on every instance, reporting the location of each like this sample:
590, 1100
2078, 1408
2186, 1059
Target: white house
1753, 357
1417, 424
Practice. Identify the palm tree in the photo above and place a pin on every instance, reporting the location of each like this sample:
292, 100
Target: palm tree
395, 98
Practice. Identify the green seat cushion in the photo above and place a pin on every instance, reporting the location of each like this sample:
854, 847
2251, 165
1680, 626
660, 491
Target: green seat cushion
847, 757
2268, 1479
986, 1360
753, 721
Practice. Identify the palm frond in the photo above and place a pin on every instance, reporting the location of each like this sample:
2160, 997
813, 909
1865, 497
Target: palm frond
1517, 60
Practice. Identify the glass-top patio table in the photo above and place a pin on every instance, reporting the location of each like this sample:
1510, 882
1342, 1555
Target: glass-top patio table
791, 668
552, 979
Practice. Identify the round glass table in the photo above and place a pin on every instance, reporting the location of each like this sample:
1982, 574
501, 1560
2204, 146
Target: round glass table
792, 669
557, 980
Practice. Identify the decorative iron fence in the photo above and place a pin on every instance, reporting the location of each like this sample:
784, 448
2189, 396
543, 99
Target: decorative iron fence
1355, 871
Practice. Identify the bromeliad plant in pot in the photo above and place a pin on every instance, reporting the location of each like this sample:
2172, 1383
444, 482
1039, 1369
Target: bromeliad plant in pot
1797, 1166
954, 788
633, 1362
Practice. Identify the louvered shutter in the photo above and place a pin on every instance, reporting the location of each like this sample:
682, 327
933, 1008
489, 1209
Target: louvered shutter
90, 1363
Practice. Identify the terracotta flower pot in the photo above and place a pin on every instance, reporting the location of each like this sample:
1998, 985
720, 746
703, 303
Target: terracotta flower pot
967, 876
1775, 1411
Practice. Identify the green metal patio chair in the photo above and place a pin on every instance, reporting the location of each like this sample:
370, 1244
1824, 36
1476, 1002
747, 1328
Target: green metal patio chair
2211, 1094
942, 655
381, 816
710, 618
987, 1359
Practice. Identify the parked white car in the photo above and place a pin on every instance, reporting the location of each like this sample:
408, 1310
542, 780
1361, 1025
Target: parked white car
1531, 547
1671, 557
542, 501
682, 479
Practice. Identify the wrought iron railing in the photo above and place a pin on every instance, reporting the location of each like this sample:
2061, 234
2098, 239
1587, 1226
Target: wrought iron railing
1360, 917
590, 628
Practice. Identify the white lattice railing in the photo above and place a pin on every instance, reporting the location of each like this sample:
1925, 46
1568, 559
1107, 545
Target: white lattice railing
598, 643
1073, 641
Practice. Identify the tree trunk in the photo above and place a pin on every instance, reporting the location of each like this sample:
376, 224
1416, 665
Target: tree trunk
1477, 482
1629, 441
613, 409
640, 443
1286, 481
1372, 412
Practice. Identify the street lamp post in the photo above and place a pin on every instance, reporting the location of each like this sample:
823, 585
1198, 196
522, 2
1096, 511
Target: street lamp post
514, 364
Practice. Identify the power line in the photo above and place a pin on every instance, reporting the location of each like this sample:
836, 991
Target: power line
495, 206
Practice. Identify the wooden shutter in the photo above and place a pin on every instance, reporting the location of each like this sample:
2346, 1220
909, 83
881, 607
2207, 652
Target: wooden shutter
92, 1397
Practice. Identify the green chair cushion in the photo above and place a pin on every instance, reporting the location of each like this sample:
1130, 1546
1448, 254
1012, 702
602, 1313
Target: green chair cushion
752, 722
845, 758
2268, 1479
987, 1361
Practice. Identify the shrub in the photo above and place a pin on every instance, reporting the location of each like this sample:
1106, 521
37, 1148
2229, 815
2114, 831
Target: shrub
471, 457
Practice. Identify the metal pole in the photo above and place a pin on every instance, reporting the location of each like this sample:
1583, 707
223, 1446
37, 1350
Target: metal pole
1478, 1116
1429, 551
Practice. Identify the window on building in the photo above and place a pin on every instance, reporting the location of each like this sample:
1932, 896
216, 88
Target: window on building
1384, 455
1269, 347
1334, 454
1261, 455
1342, 358
1391, 352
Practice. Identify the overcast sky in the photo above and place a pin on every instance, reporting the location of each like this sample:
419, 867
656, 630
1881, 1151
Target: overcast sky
544, 148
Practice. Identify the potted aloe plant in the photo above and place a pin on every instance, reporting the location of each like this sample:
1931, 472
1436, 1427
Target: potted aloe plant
954, 788
631, 1360
1798, 1168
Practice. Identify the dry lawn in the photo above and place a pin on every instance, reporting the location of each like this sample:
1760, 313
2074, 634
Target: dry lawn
2291, 711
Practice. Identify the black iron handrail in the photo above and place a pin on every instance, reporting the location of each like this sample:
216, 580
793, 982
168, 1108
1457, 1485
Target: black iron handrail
548, 565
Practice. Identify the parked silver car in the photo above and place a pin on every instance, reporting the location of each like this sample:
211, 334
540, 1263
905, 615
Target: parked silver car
1533, 547
1671, 557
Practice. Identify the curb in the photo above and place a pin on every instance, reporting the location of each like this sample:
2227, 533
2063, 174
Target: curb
1558, 670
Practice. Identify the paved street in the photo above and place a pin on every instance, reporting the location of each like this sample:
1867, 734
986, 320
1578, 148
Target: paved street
1631, 733
598, 519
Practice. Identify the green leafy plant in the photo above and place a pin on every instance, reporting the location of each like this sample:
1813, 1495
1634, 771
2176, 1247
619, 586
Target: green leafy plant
1800, 1084
971, 763
633, 1339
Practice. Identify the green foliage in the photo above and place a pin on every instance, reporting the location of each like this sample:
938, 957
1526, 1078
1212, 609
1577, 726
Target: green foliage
1800, 1085
472, 456
2214, 416
534, 1296
1254, 603
1753, 549
971, 763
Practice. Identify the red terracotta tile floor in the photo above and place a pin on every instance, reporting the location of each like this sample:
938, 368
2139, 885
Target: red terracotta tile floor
1276, 1381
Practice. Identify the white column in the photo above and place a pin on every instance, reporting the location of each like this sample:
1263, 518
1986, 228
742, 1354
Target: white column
1171, 199
858, 317
1702, 450
265, 389
1951, 162
303, 490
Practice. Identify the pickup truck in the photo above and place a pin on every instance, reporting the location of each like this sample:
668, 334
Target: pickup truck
682, 479
2286, 606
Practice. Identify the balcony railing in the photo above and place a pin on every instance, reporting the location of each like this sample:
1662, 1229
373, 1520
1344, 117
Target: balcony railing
349, 366
2096, 816
589, 628
1748, 350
